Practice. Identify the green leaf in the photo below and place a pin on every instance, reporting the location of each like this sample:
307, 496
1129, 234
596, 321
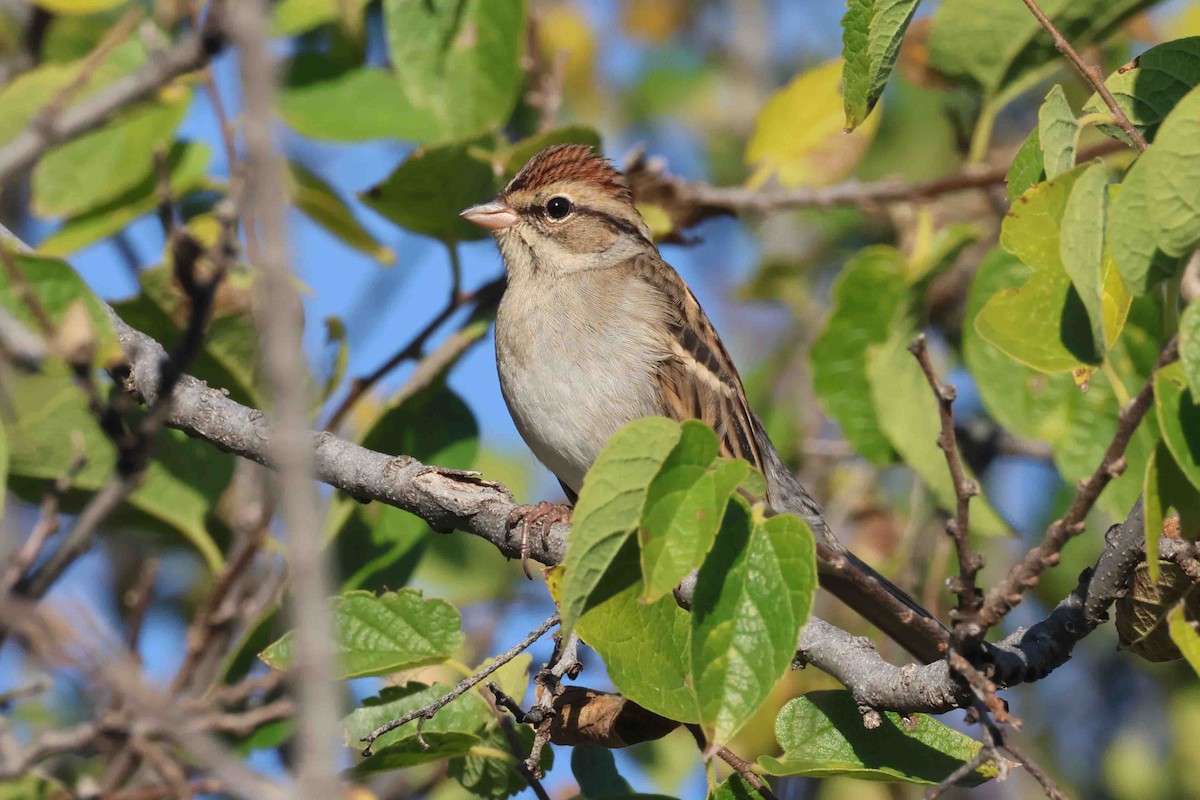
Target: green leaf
993, 45
1042, 323
822, 734
1173, 178
452, 731
457, 61
320, 203
1189, 346
426, 193
735, 787
609, 509
595, 770
380, 635
187, 162
1185, 637
1179, 419
511, 158
644, 645
335, 337
490, 770
1026, 402
1081, 249
799, 135
1148, 87
1027, 169
1130, 237
871, 34
293, 17
908, 415
57, 287
866, 297
1058, 133
326, 99
752, 597
181, 485
1152, 510
684, 506
23, 98
100, 166
33, 787
229, 357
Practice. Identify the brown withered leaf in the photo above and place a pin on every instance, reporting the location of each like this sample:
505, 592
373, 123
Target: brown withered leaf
75, 339
1142, 613
586, 716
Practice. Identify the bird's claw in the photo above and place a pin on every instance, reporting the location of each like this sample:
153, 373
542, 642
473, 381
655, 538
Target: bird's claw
546, 514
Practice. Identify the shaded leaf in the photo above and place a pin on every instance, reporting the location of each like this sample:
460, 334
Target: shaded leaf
1141, 614
798, 136
490, 770
871, 34
1027, 169
822, 734
1148, 87
379, 635
753, 595
426, 193
595, 770
320, 203
511, 158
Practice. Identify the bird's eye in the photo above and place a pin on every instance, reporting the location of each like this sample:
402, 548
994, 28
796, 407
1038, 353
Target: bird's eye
558, 207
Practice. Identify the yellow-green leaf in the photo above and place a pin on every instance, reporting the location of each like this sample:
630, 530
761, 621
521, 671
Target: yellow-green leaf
799, 136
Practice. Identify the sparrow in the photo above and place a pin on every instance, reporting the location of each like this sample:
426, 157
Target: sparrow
595, 329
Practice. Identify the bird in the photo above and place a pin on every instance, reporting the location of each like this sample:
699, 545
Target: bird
595, 329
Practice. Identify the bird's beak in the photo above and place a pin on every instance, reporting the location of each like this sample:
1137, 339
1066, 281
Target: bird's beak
494, 215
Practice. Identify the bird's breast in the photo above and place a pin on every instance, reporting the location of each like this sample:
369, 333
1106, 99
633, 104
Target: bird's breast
574, 367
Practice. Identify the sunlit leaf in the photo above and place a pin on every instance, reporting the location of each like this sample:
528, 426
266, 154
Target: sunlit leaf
753, 595
380, 635
453, 731
1027, 169
1189, 346
78, 7
457, 60
1173, 178
822, 734
1058, 133
1130, 237
1184, 634
869, 292
187, 162
1096, 279
798, 137
1179, 419
94, 169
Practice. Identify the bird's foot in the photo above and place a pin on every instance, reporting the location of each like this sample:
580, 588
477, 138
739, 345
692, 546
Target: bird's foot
545, 514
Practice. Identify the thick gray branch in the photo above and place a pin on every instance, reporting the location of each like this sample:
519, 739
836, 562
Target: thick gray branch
451, 501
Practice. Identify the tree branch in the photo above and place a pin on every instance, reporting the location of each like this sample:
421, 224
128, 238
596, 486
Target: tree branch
1090, 74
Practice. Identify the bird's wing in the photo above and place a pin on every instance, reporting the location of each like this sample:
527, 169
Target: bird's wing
697, 378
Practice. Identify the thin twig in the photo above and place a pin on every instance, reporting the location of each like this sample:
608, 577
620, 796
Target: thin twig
483, 298
739, 765
137, 602
464, 686
1047, 783
1023, 576
514, 745
966, 768
1091, 74
969, 561
281, 329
